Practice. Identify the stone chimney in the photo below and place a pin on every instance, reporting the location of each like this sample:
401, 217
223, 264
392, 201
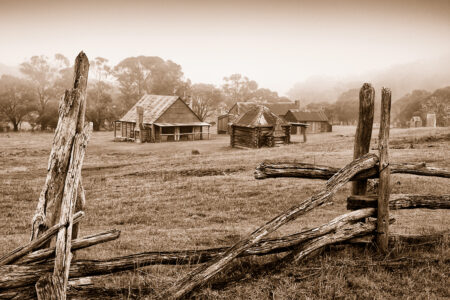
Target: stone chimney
297, 104
139, 117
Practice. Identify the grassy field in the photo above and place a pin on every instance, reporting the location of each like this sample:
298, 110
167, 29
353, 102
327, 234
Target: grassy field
163, 197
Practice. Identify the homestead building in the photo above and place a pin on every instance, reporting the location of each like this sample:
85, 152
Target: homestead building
317, 121
259, 127
239, 108
415, 121
157, 118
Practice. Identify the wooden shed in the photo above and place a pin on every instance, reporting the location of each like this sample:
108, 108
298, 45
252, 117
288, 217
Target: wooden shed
239, 108
317, 121
416, 121
259, 127
158, 118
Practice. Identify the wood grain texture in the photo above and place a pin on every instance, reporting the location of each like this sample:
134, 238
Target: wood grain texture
275, 169
204, 273
70, 107
385, 173
63, 253
363, 131
21, 251
77, 244
401, 201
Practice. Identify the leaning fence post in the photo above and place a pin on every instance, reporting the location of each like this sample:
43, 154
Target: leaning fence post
363, 131
383, 192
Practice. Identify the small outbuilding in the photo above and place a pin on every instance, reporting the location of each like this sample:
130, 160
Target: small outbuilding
416, 121
431, 120
259, 127
239, 108
158, 118
317, 121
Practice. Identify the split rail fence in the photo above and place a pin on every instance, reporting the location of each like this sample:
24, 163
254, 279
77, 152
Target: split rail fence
40, 270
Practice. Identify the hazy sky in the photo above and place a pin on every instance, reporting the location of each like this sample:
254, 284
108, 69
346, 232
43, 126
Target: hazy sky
276, 43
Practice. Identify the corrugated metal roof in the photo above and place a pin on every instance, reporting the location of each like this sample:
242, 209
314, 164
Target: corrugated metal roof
259, 116
154, 106
304, 116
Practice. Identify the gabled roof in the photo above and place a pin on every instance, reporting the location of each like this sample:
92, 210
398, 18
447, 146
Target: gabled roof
154, 106
243, 107
259, 116
278, 108
305, 116
281, 108
416, 118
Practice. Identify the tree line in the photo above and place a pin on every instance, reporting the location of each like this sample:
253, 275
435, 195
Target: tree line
113, 90
417, 103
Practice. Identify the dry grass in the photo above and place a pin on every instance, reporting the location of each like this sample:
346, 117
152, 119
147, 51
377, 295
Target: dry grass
193, 195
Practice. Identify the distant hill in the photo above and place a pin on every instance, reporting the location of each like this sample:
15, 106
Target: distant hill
402, 79
4, 69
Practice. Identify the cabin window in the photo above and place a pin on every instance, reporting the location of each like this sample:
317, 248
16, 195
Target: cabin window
168, 130
186, 129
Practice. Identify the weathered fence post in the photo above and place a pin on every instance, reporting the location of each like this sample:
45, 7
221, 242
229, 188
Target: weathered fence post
363, 131
385, 173
64, 173
204, 273
71, 121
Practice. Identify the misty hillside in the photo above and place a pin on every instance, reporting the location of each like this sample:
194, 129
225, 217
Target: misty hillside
402, 79
4, 69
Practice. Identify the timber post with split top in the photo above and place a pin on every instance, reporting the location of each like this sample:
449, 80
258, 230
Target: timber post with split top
363, 131
385, 173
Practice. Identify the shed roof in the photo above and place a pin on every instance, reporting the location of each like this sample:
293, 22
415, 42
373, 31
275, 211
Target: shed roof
154, 106
260, 116
281, 108
305, 116
243, 107
278, 108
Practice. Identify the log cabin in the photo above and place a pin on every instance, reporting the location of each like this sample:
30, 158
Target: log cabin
317, 121
259, 127
239, 108
159, 118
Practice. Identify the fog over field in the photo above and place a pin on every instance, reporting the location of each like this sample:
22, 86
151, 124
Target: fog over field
282, 45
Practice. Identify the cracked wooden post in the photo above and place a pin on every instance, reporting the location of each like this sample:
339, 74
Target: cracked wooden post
71, 120
383, 186
363, 131
64, 173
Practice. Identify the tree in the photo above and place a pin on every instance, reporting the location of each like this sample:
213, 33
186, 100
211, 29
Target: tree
151, 74
408, 106
438, 103
205, 99
327, 108
16, 99
346, 108
99, 103
239, 88
50, 78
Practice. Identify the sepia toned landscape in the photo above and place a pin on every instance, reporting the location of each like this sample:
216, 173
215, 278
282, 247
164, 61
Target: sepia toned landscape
224, 149
163, 197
